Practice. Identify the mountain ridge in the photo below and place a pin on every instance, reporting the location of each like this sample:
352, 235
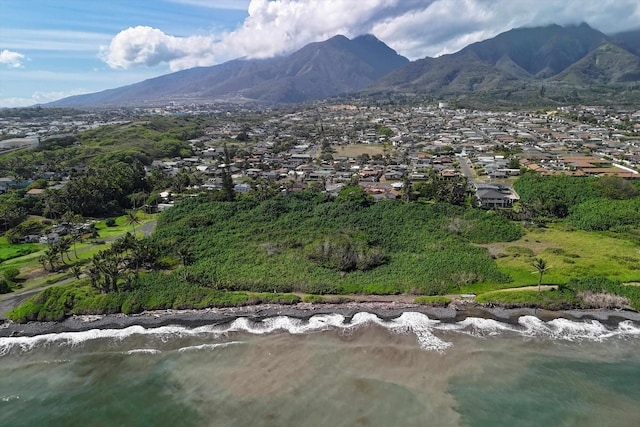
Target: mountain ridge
577, 63
569, 60
318, 70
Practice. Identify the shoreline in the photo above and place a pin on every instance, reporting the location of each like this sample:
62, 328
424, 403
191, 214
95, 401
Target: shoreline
303, 311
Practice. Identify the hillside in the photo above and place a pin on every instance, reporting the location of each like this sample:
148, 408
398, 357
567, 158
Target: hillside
579, 63
318, 70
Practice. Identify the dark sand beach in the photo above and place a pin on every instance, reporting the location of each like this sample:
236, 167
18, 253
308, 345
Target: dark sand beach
384, 310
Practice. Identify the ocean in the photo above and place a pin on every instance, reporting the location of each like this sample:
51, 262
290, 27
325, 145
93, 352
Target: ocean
327, 371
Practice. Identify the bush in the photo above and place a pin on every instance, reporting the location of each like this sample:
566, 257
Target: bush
110, 222
344, 253
4, 287
605, 214
550, 300
599, 285
314, 299
11, 273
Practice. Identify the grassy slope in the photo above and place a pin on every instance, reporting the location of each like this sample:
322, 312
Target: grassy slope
569, 253
264, 247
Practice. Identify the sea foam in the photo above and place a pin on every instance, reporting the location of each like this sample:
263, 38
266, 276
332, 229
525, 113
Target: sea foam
414, 323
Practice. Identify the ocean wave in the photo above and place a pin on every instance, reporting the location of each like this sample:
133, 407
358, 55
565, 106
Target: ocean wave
76, 338
414, 323
568, 330
9, 398
207, 346
478, 326
144, 351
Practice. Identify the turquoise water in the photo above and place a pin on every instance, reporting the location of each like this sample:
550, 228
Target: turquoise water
412, 371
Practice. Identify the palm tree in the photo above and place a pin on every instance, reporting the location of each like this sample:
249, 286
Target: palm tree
42, 259
541, 267
76, 270
132, 219
51, 255
76, 236
64, 246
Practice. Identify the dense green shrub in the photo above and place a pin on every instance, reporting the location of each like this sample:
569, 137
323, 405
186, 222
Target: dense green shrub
11, 273
249, 250
265, 246
344, 252
23, 229
604, 214
4, 287
555, 195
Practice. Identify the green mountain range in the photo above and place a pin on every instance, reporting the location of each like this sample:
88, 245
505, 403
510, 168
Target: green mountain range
524, 66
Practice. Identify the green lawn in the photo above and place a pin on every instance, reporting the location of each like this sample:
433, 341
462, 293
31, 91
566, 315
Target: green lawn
568, 253
9, 251
122, 226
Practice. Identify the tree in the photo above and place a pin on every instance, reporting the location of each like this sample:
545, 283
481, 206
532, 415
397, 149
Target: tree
614, 187
407, 189
4, 287
132, 219
11, 215
43, 259
541, 267
354, 195
227, 182
76, 270
51, 255
64, 246
138, 199
76, 232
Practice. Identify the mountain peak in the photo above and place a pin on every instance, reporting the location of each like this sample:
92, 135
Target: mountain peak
337, 38
367, 37
318, 70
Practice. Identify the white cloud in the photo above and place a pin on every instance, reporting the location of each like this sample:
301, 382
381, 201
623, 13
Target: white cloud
38, 98
277, 27
149, 46
446, 26
11, 59
415, 28
57, 40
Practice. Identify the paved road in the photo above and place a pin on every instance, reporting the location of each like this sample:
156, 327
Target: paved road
464, 165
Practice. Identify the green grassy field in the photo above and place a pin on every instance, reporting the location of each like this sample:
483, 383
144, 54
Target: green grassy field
569, 253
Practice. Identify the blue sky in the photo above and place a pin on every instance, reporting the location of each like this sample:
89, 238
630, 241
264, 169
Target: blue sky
51, 49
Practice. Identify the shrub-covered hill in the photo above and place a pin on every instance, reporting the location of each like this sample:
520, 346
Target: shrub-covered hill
306, 242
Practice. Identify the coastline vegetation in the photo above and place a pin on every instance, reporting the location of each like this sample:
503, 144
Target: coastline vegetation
227, 249
588, 292
210, 252
217, 253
